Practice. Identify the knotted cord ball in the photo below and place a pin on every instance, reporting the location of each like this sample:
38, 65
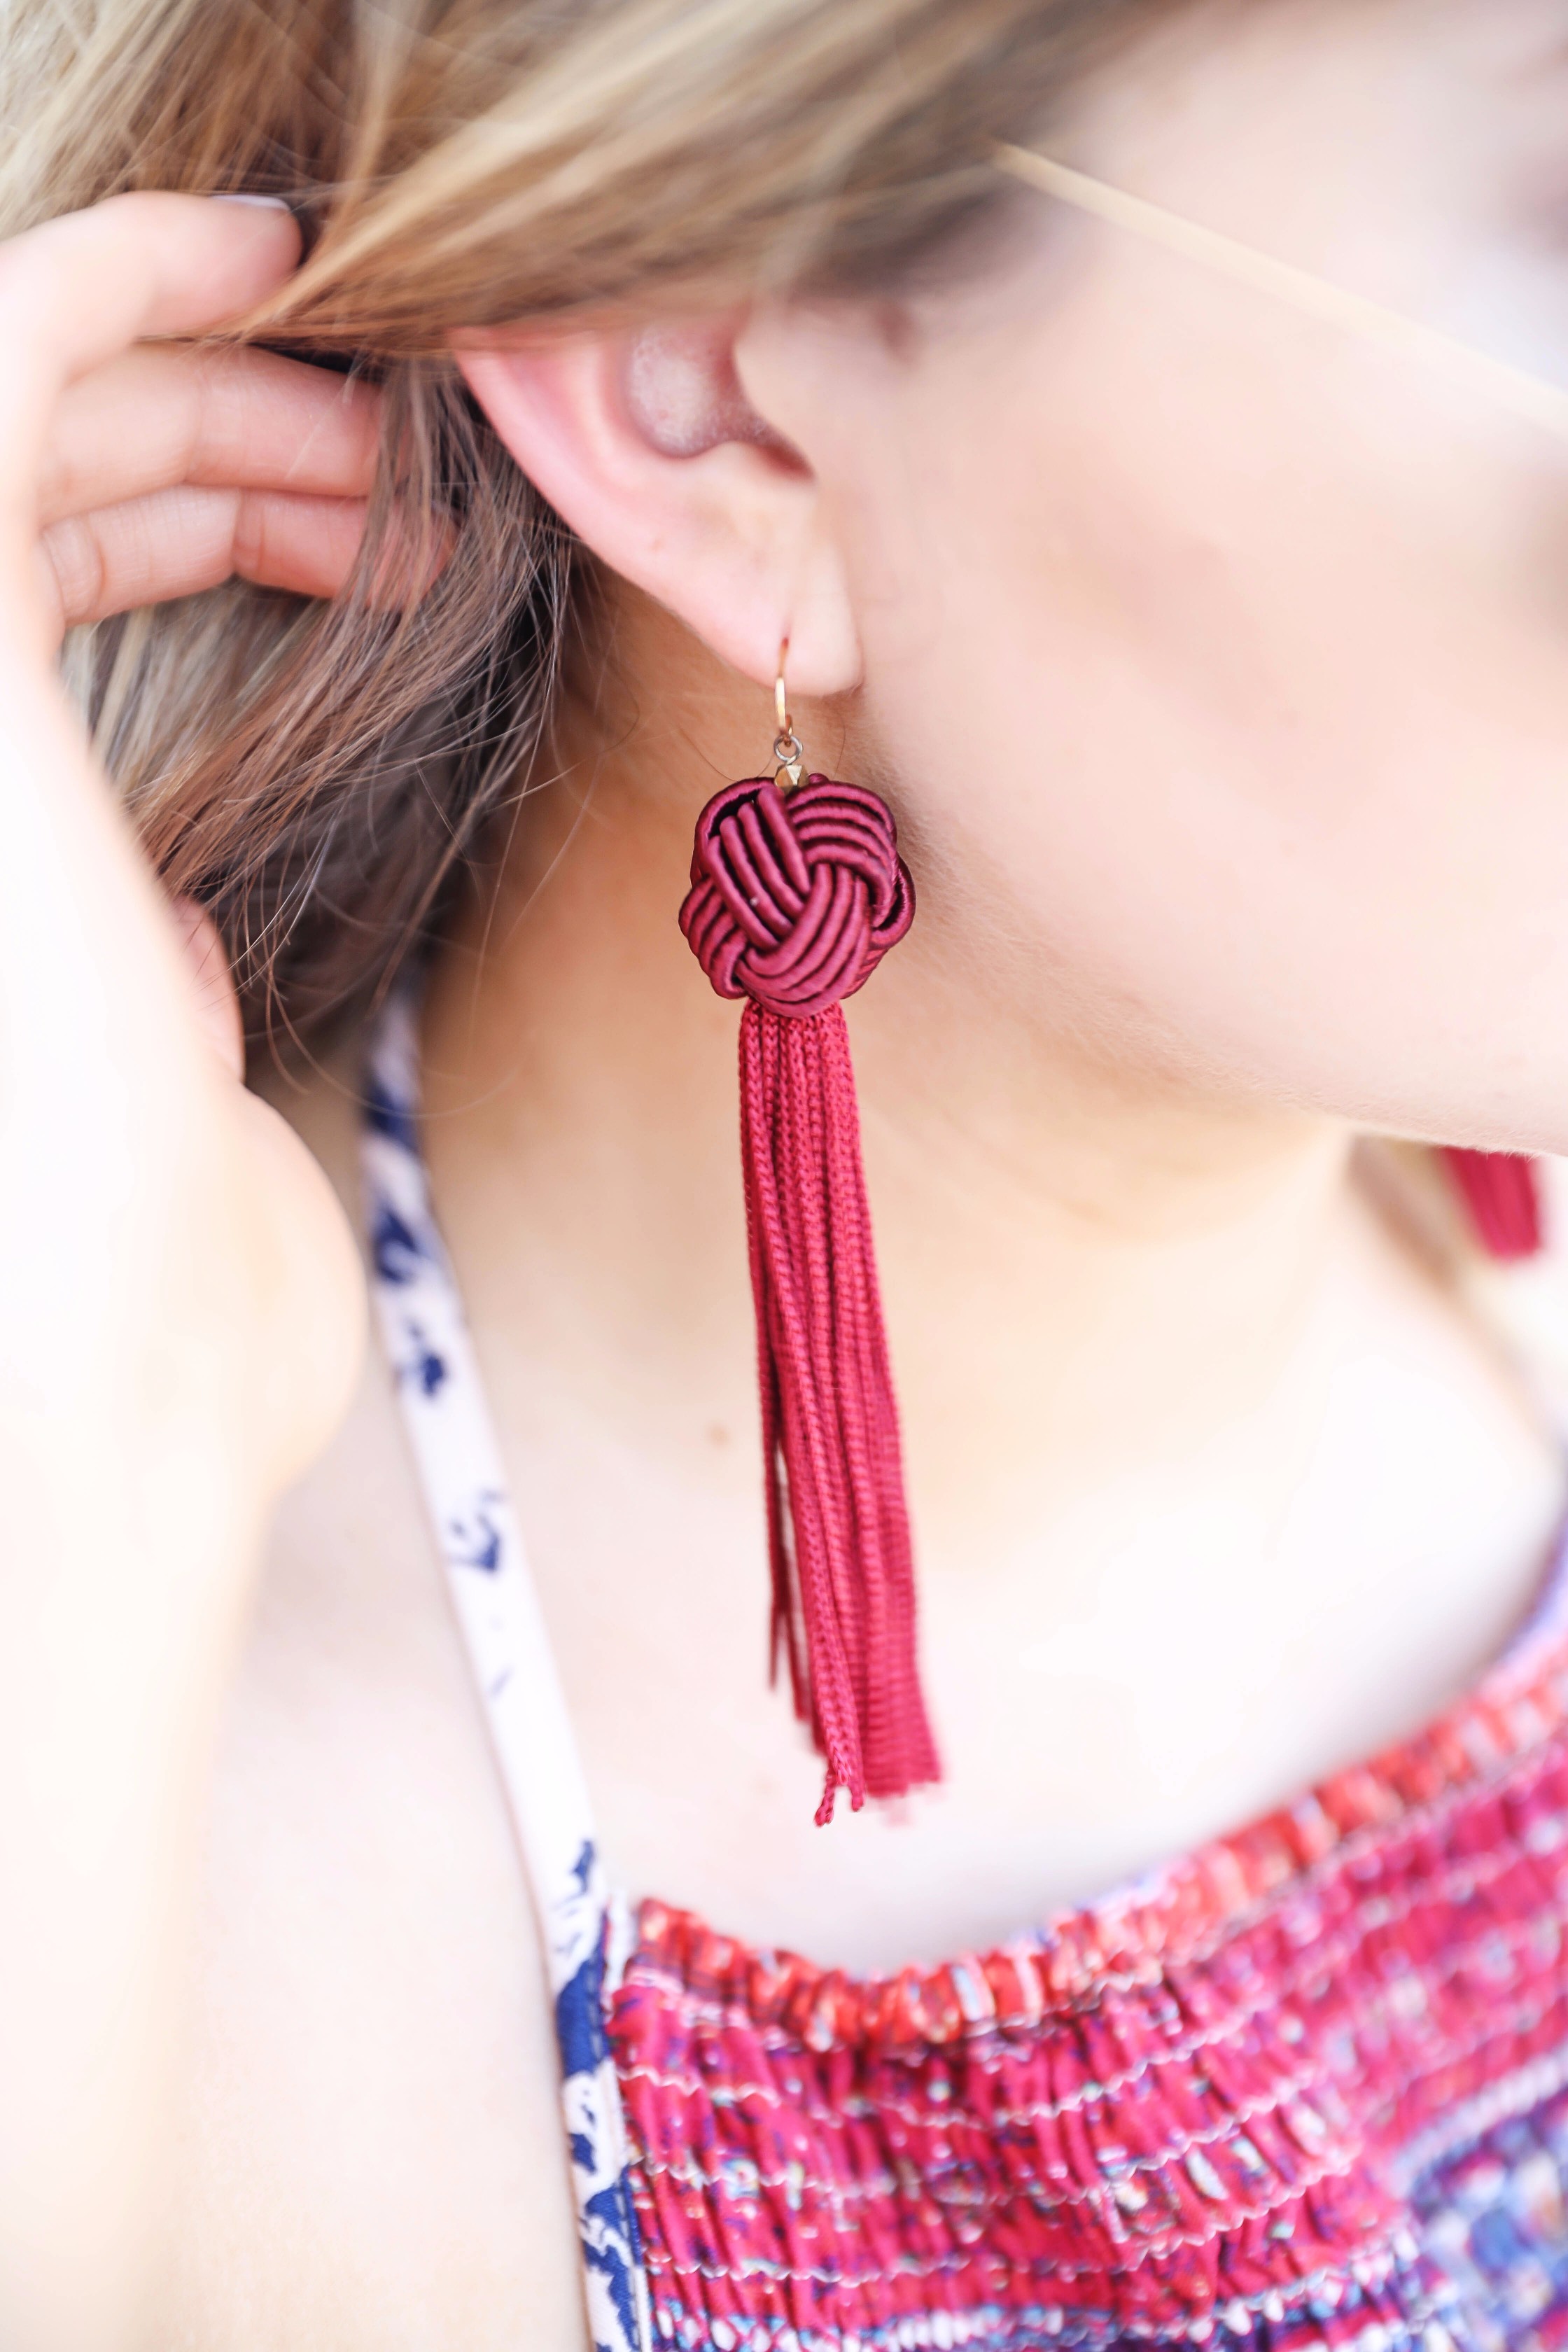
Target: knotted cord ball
794, 902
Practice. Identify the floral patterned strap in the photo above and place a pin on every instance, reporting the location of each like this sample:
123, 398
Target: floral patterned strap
458, 1463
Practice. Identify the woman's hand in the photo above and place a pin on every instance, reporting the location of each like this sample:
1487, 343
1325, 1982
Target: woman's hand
181, 1306
170, 467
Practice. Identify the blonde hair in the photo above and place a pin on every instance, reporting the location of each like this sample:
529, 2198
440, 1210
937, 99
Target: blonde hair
317, 773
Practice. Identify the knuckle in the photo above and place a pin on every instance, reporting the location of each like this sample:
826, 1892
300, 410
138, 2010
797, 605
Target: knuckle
228, 410
77, 562
251, 537
194, 407
307, 545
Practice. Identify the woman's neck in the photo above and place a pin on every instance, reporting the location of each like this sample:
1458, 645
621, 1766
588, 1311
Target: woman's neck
1180, 1417
1079, 1258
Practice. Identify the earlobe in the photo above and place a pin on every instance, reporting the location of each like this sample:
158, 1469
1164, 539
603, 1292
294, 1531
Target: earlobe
647, 446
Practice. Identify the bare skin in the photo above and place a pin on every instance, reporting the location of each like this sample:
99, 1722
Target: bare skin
1216, 1488
366, 1934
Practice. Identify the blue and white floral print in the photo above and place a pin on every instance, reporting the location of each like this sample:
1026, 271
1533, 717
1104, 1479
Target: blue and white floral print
458, 1460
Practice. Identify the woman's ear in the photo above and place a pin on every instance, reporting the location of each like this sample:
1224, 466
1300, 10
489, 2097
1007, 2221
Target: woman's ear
646, 444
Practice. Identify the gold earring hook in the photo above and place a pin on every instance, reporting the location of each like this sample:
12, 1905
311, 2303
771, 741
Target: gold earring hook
787, 749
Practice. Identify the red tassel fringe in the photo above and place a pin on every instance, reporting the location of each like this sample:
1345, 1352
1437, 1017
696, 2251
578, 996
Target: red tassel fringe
793, 905
1503, 1193
838, 1535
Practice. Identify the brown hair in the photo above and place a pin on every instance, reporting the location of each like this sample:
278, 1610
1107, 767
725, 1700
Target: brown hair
317, 773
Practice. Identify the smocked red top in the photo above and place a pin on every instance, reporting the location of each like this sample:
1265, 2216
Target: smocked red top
1307, 2086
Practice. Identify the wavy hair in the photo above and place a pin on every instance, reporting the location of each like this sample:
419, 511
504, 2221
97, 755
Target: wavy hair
318, 773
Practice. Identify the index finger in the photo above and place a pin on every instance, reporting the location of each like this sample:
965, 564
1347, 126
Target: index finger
80, 288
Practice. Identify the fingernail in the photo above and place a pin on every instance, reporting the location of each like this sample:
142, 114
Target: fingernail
239, 196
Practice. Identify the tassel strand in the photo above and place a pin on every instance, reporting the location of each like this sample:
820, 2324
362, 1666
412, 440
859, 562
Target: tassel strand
793, 905
842, 1566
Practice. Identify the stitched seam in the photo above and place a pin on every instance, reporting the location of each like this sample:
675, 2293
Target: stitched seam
695, 2008
913, 2268
1177, 2150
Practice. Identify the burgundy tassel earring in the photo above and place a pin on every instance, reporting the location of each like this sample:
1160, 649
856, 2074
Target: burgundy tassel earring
797, 892
1503, 1193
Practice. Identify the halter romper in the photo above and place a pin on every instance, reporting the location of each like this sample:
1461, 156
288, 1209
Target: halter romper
1306, 2087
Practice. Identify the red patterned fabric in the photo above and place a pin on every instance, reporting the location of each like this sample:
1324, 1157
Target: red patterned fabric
1219, 2103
